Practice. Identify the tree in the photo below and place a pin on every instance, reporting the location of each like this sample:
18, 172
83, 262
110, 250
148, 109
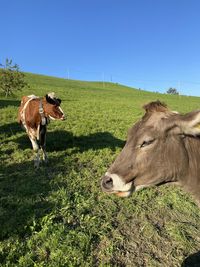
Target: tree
172, 91
11, 79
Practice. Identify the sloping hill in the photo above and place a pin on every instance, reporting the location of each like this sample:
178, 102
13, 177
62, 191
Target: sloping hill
57, 215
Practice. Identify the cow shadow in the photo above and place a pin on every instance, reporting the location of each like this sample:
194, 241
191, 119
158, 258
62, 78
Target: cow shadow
23, 192
9, 102
61, 140
10, 129
24, 195
192, 260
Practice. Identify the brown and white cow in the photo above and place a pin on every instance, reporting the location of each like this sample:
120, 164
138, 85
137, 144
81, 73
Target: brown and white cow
163, 147
34, 114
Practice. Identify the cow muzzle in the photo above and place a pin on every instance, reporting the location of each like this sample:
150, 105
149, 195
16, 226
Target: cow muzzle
113, 183
107, 183
63, 117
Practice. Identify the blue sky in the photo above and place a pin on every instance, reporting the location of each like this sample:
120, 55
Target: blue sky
148, 44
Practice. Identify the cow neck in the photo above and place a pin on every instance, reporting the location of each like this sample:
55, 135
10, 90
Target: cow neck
41, 111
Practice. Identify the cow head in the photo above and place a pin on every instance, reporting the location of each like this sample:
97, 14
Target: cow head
155, 151
52, 107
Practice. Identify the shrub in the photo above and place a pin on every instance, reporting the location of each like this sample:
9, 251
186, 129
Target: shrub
11, 79
172, 91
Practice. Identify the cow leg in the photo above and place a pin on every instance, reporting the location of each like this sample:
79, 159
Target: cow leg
42, 140
36, 151
44, 154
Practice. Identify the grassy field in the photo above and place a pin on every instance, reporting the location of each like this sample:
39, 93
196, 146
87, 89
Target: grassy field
58, 216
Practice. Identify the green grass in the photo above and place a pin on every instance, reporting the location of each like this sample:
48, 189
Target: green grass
58, 216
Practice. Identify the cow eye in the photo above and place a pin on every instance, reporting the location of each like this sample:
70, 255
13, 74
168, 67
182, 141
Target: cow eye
146, 143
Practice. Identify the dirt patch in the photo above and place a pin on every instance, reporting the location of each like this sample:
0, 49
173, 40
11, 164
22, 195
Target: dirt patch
156, 239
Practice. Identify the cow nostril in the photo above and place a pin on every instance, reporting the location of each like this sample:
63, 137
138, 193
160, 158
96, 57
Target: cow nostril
107, 182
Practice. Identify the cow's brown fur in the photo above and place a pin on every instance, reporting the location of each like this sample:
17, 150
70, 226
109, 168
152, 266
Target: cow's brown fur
162, 147
30, 117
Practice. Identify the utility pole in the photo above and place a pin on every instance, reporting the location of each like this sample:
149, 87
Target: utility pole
179, 86
103, 79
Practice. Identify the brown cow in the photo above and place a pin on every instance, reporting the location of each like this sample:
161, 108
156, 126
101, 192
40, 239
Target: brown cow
163, 147
34, 114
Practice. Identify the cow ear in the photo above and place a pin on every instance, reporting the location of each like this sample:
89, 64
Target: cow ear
47, 98
59, 100
50, 100
190, 123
